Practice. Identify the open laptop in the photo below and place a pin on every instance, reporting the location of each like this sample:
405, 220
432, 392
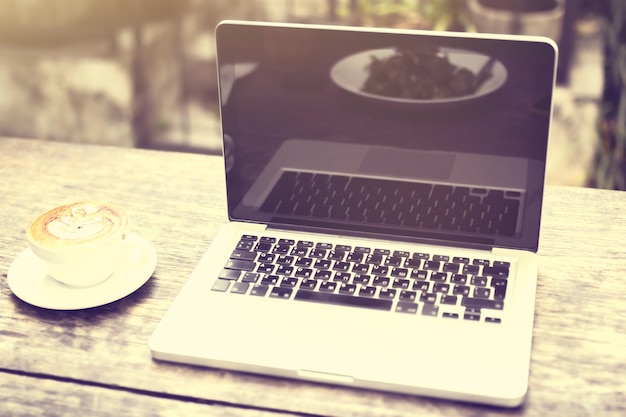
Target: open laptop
384, 193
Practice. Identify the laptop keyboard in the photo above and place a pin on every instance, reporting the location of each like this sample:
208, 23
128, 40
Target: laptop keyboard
393, 202
430, 284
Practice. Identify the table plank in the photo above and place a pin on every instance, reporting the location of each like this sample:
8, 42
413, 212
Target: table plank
177, 202
27, 396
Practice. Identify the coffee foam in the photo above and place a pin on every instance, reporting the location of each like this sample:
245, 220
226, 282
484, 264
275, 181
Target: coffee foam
76, 224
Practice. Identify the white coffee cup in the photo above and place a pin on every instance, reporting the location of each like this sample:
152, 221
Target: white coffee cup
79, 244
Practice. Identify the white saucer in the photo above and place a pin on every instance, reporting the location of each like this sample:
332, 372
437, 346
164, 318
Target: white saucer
29, 282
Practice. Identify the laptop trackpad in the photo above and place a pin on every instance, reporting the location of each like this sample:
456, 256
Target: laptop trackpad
402, 163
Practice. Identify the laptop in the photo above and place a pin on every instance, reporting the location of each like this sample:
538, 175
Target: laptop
384, 193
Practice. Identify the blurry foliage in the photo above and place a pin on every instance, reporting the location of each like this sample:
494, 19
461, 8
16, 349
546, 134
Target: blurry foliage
611, 163
416, 14
51, 23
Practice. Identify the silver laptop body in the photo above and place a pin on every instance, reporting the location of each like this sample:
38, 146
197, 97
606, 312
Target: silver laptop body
377, 148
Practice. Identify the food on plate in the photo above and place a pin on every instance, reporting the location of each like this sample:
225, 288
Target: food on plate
421, 73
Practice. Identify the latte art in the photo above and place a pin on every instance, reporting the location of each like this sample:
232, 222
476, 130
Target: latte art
76, 224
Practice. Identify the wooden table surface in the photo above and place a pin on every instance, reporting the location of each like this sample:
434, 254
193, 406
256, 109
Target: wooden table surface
96, 362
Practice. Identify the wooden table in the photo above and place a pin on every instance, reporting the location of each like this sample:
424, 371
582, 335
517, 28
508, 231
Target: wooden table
96, 362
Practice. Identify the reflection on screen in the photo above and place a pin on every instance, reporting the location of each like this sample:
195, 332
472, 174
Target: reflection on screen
417, 136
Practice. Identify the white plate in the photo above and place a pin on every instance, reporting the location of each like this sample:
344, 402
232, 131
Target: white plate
351, 72
29, 282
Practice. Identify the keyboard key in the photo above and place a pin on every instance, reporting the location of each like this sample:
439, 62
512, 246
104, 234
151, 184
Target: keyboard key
380, 270
450, 315
259, 290
387, 293
432, 265
336, 255
482, 303
451, 267
266, 257
240, 287
470, 269
361, 268
381, 281
419, 274
342, 276
341, 266
499, 288
430, 310
356, 257
229, 274
393, 261
406, 307
245, 245
284, 270
406, 295
374, 259
265, 268
289, 282
461, 289
243, 254
250, 277
496, 271
344, 300
441, 287
459, 279
263, 247
439, 276
479, 281
492, 320
281, 249
399, 272
472, 314
269, 279
401, 283
412, 263
460, 260
220, 285
308, 284
318, 253
323, 264
482, 292
346, 288
304, 262
367, 291
449, 299
420, 286
323, 274
328, 286
303, 272
361, 279
240, 264
428, 298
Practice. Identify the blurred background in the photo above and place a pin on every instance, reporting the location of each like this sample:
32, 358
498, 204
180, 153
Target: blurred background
141, 73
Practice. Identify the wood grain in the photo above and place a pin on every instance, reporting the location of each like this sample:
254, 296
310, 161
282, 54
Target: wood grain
177, 201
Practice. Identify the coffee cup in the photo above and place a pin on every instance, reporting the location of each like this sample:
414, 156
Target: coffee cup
79, 244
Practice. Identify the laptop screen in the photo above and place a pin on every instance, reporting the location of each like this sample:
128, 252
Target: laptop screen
419, 136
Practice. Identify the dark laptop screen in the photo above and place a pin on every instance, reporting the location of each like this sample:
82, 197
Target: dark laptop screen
418, 136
